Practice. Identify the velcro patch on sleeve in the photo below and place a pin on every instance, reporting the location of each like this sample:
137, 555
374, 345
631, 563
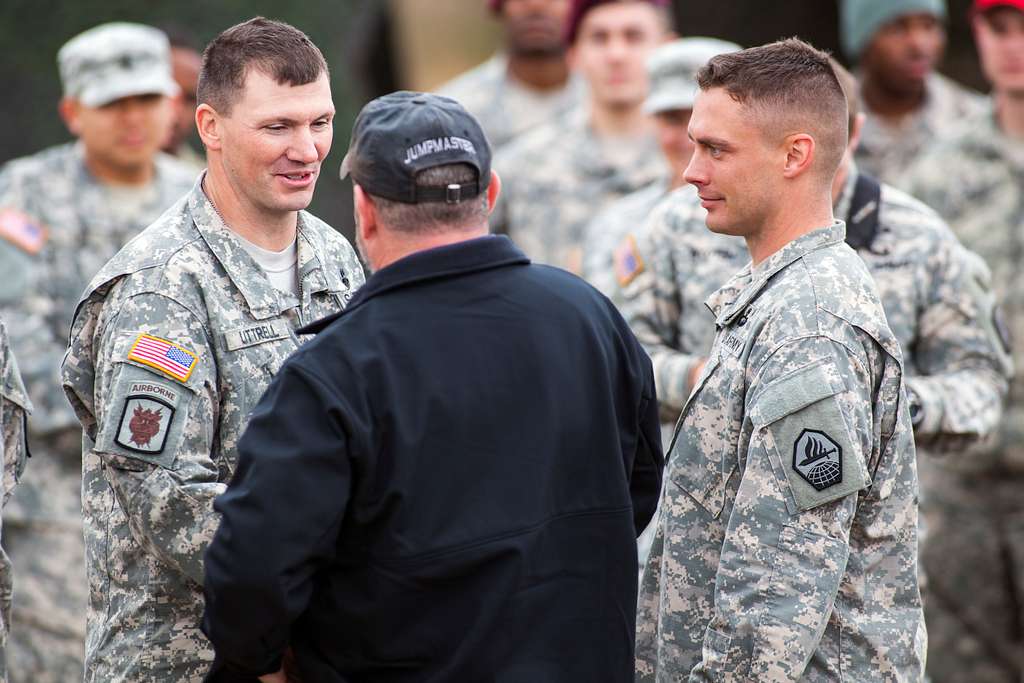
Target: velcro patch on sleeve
628, 262
175, 361
146, 417
21, 230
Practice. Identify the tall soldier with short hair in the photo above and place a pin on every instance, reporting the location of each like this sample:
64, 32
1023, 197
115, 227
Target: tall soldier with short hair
179, 334
64, 212
786, 547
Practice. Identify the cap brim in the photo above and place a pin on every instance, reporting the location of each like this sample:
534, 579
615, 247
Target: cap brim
128, 85
346, 165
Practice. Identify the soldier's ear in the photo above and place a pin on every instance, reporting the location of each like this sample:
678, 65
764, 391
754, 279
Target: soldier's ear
208, 124
493, 192
68, 108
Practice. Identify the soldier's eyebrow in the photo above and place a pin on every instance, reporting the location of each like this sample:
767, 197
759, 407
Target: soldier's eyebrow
289, 121
709, 141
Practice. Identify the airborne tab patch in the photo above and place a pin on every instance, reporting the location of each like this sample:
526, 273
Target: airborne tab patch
146, 417
22, 230
628, 262
174, 361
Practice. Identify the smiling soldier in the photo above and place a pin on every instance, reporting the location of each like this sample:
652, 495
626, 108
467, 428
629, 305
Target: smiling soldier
180, 333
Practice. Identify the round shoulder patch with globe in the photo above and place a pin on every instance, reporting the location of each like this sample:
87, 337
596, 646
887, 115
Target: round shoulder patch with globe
818, 459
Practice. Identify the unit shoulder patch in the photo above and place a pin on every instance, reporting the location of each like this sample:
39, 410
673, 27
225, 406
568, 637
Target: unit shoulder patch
175, 361
628, 262
146, 419
818, 458
21, 230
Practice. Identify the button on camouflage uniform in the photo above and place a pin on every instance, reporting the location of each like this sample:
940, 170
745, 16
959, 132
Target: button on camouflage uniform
60, 226
557, 178
886, 151
173, 344
507, 109
787, 543
975, 550
14, 406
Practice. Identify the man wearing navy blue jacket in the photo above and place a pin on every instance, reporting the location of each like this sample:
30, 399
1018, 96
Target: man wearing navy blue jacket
446, 483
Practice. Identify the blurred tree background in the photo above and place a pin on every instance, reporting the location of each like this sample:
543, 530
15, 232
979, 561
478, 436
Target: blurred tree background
373, 47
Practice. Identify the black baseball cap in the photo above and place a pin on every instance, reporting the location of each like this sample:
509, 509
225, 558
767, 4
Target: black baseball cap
398, 135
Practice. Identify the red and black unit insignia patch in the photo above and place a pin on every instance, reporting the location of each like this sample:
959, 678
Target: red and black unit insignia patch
146, 418
628, 262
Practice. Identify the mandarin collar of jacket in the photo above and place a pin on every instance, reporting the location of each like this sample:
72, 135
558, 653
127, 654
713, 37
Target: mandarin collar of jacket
452, 260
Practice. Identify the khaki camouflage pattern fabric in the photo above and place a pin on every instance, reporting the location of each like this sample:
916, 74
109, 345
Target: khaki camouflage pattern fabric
506, 108
160, 437
886, 151
14, 407
605, 233
936, 294
80, 224
786, 548
557, 178
973, 502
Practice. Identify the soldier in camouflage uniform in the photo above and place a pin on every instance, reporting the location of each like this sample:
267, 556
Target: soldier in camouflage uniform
786, 548
178, 336
14, 406
559, 176
897, 44
63, 213
528, 84
671, 70
974, 553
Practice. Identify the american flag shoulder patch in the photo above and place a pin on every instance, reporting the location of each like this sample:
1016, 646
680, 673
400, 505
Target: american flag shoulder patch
628, 263
22, 230
175, 361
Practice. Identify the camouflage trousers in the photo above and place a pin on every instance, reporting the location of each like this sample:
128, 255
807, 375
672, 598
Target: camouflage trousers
974, 557
42, 533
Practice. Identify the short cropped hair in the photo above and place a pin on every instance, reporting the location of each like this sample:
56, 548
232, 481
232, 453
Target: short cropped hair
435, 217
851, 89
790, 85
277, 49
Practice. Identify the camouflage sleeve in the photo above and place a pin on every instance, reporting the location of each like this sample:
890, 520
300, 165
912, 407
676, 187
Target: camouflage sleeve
961, 354
14, 408
155, 425
647, 271
787, 539
29, 307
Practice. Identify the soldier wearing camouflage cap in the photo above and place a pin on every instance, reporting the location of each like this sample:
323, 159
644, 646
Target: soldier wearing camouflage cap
179, 334
14, 407
561, 174
672, 72
63, 212
897, 44
974, 552
528, 83
786, 544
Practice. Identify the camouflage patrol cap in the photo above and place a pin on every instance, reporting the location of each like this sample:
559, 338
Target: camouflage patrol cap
111, 61
398, 135
672, 71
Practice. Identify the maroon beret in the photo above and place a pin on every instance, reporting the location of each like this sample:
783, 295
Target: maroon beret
580, 9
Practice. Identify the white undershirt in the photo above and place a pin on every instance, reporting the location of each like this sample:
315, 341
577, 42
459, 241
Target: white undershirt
281, 267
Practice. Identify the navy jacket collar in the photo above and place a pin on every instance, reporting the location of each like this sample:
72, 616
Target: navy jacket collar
482, 253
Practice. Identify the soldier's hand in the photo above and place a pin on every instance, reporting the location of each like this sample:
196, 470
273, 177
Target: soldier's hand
276, 677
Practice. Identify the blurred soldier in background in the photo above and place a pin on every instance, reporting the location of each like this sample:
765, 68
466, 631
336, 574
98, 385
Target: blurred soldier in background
528, 84
185, 64
672, 72
14, 405
63, 213
561, 175
897, 44
974, 553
